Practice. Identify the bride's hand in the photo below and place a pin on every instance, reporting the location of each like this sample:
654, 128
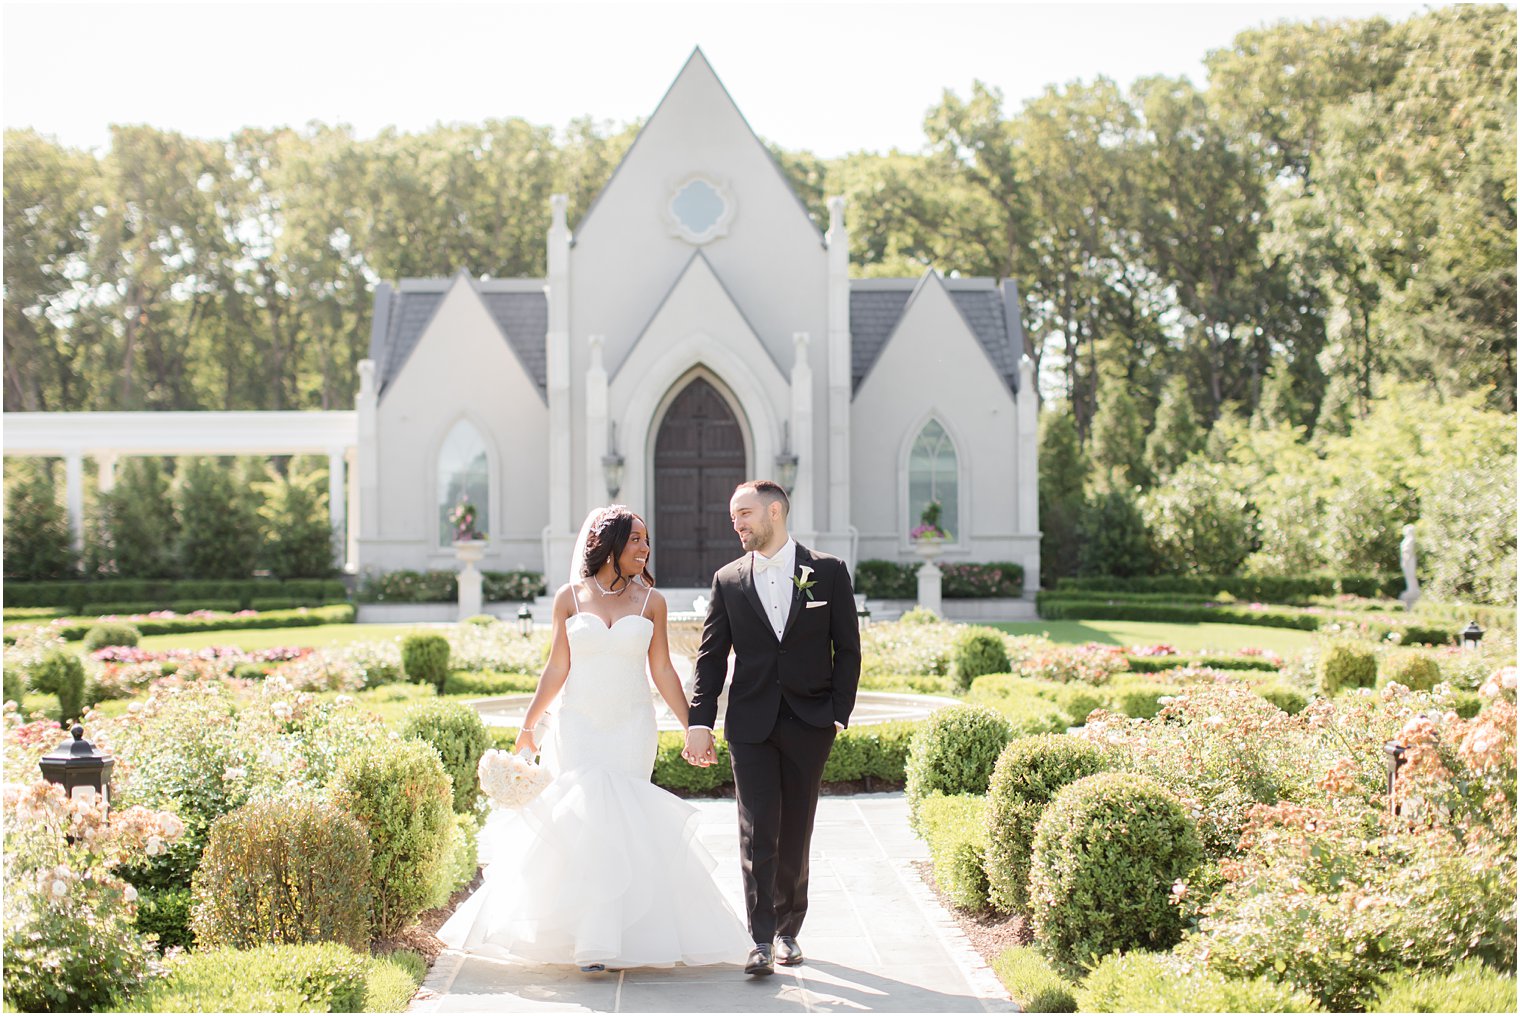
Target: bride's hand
525, 740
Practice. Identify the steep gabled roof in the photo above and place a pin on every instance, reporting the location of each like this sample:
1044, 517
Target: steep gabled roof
989, 308
403, 313
697, 59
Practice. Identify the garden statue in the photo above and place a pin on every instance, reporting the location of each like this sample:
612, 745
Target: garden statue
1411, 591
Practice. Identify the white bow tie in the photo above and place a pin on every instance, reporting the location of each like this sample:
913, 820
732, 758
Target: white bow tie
762, 563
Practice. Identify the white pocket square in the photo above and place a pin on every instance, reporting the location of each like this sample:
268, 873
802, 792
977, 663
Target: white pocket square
815, 603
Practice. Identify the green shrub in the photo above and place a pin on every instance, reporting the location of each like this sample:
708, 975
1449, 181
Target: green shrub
1156, 982
1160, 664
61, 673
400, 793
1028, 715
1265, 588
392, 981
886, 580
1140, 700
15, 685
1027, 775
953, 752
283, 872
462, 860
1413, 669
979, 651
102, 635
1075, 699
1284, 696
918, 615
978, 581
675, 774
457, 733
486, 683
1468, 987
316, 977
871, 753
191, 606
480, 620
302, 617
1032, 982
1107, 851
38, 544
425, 659
1343, 665
955, 828
166, 913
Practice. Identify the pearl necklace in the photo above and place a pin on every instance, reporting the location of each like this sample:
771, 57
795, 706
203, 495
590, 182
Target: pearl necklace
610, 592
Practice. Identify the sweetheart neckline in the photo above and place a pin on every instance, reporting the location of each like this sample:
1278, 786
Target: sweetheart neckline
609, 627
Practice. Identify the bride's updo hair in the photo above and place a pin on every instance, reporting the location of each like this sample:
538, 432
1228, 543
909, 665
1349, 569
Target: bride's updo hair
607, 539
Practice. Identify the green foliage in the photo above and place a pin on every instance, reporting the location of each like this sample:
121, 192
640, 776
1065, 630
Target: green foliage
1268, 589
392, 981
886, 580
462, 860
405, 586
300, 618
401, 795
218, 529
675, 774
1112, 536
979, 581
1139, 699
101, 635
61, 673
1063, 477
1118, 438
1411, 668
456, 732
1107, 850
1198, 525
1365, 514
297, 529
978, 652
919, 615
87, 597
319, 977
484, 683
1032, 982
1027, 775
955, 829
1284, 696
166, 914
878, 752
1176, 434
132, 531
1156, 982
1470, 986
283, 872
425, 659
37, 540
953, 752
1468, 517
1075, 699
1345, 665
15, 684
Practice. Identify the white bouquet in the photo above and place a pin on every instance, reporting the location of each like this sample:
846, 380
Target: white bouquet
511, 780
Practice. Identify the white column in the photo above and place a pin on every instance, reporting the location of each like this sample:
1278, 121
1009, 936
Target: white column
337, 503
105, 479
1028, 465
595, 438
838, 466
930, 580
351, 544
367, 403
802, 521
73, 494
559, 535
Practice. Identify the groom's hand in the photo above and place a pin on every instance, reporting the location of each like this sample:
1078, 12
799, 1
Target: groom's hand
699, 749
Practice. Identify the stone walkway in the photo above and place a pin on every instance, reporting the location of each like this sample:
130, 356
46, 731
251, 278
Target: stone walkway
876, 938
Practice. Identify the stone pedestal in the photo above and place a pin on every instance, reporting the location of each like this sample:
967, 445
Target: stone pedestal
469, 553
929, 576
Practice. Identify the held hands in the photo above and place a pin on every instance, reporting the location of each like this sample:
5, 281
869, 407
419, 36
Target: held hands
699, 749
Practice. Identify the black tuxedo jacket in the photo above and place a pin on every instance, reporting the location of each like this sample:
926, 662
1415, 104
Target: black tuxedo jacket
815, 665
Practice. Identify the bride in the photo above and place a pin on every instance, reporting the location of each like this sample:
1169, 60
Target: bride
603, 869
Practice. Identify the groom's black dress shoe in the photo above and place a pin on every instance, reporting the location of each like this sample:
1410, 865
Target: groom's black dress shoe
759, 963
788, 952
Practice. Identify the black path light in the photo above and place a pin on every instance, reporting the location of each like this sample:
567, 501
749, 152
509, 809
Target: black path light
76, 764
524, 620
1471, 636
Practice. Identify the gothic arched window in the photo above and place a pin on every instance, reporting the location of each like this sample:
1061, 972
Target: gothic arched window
933, 476
464, 475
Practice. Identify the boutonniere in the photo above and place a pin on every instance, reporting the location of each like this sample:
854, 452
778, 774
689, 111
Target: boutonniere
804, 583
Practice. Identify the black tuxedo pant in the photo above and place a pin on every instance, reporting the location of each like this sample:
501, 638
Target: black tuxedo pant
776, 782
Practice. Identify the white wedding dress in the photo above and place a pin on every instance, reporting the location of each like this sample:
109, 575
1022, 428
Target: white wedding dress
604, 867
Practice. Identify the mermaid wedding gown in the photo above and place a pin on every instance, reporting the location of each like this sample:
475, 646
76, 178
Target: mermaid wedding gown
604, 867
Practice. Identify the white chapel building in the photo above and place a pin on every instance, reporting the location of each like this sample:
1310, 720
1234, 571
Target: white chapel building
695, 330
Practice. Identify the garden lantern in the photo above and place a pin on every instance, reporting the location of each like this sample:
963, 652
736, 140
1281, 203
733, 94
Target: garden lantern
524, 620
1393, 758
786, 462
612, 473
76, 765
1471, 636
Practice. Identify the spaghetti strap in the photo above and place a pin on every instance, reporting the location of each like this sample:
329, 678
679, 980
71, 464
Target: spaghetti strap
646, 601
575, 599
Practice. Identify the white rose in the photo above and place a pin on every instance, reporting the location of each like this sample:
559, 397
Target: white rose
60, 888
129, 894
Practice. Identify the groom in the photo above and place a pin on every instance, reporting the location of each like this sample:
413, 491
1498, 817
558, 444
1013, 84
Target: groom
788, 614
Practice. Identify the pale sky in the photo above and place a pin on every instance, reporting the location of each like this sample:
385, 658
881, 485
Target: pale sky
831, 78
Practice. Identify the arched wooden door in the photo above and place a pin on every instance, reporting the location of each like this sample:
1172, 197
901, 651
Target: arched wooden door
698, 460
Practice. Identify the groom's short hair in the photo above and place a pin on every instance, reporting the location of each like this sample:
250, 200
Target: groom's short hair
770, 492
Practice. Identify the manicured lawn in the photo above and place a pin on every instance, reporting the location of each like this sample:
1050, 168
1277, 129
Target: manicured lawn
316, 636
1186, 637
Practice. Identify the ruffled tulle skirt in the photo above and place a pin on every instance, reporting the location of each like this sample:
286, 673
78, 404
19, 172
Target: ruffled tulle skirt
601, 868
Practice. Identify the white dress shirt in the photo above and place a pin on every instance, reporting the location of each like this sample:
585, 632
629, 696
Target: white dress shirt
773, 581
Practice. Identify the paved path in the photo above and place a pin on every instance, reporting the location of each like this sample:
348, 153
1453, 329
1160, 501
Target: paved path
876, 938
